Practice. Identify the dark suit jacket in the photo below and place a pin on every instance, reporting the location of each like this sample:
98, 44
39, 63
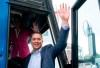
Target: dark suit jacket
50, 52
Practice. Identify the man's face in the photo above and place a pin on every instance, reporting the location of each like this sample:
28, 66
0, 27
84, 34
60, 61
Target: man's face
36, 41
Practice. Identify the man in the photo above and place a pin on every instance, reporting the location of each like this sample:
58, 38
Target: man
44, 57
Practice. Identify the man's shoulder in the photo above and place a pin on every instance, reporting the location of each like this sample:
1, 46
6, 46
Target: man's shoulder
48, 46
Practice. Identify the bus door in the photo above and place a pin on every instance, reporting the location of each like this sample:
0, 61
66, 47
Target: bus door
27, 12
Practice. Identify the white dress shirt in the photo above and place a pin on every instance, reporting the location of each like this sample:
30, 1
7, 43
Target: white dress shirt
35, 60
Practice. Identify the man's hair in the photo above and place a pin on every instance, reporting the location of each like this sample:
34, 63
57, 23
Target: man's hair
36, 33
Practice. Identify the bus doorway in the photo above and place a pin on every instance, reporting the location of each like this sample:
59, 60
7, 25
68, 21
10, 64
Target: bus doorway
42, 12
22, 15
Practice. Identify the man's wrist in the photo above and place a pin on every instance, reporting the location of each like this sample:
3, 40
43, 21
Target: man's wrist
65, 27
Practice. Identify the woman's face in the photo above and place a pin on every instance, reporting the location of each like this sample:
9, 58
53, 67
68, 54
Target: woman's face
17, 22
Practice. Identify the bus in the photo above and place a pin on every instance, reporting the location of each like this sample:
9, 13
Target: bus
83, 49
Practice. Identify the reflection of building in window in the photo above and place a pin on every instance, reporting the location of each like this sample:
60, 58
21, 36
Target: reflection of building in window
80, 53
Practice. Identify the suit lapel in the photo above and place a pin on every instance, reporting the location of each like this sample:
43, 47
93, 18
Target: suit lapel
27, 61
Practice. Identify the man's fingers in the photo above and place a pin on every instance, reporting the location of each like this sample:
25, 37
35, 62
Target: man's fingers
63, 6
66, 7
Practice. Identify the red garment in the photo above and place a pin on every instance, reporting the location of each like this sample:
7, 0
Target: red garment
20, 43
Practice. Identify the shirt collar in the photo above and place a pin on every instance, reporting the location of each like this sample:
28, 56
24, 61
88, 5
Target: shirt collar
36, 51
